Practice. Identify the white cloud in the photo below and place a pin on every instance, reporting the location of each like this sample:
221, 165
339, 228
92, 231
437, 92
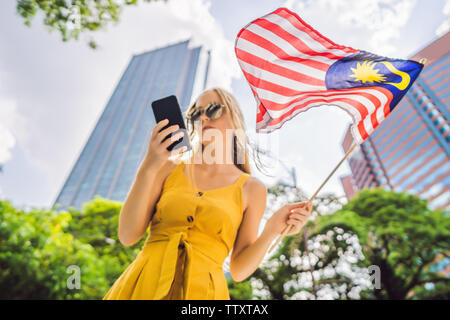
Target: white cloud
205, 30
376, 24
11, 122
7, 140
444, 27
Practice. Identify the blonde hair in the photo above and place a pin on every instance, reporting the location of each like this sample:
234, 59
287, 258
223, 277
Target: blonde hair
240, 140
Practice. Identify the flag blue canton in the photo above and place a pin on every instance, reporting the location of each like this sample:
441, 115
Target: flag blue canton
364, 69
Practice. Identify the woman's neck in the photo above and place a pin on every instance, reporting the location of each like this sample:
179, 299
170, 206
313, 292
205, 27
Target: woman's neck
208, 162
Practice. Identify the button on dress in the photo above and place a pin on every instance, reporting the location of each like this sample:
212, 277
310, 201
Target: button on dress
189, 238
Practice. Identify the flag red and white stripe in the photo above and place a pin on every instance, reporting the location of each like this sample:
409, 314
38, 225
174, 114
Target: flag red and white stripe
285, 62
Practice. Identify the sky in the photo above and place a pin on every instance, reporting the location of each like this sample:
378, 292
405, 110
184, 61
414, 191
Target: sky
52, 92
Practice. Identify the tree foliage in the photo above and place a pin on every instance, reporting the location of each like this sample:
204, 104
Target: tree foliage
97, 225
240, 290
38, 247
35, 253
395, 231
398, 233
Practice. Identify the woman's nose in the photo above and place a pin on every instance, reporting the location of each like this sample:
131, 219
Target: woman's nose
203, 117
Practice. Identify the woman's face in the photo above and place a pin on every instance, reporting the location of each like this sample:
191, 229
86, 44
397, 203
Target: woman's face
218, 126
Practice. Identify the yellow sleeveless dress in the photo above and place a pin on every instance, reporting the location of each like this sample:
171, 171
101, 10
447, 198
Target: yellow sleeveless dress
189, 238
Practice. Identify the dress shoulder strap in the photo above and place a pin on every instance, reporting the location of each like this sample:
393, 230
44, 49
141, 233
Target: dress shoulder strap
241, 180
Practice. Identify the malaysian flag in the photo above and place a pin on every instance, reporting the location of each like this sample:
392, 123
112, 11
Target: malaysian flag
291, 67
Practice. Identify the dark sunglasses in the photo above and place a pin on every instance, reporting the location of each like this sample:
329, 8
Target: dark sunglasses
213, 111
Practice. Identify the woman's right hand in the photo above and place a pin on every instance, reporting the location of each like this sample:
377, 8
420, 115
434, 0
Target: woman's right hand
157, 153
296, 214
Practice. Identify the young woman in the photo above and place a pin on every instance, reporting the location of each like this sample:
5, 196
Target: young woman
198, 211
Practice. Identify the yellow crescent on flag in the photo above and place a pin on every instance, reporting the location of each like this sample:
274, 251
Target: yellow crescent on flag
402, 85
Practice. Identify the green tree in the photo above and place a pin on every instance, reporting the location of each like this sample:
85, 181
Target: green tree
70, 18
38, 248
394, 231
399, 234
36, 252
97, 225
240, 290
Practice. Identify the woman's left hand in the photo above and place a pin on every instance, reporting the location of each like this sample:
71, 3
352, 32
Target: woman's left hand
295, 214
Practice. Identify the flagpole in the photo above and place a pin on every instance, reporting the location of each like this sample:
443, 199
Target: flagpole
288, 227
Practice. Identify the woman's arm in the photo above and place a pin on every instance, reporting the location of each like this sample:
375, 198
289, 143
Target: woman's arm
139, 206
245, 260
249, 249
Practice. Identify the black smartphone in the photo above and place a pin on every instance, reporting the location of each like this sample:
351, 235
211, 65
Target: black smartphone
169, 108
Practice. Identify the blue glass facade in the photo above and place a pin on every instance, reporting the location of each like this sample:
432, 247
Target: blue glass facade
112, 154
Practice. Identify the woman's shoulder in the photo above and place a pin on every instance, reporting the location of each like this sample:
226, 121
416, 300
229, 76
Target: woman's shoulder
254, 185
254, 190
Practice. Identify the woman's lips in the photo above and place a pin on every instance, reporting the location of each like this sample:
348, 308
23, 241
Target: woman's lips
207, 127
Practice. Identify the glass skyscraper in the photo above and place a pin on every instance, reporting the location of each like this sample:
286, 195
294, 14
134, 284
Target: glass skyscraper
108, 163
409, 151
